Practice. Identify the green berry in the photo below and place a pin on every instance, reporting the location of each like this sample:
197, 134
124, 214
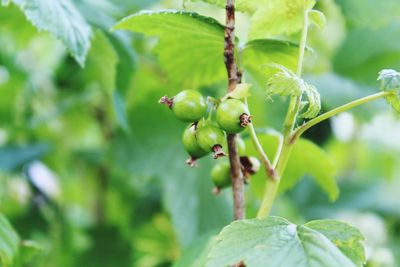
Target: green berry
220, 175
233, 116
211, 138
188, 105
192, 146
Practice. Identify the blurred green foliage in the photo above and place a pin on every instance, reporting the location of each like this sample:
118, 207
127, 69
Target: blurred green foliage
85, 104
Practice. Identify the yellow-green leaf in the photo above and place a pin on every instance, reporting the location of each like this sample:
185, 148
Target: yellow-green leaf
63, 20
190, 46
276, 17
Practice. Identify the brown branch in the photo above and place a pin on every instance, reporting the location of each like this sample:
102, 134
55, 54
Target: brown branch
229, 48
237, 178
233, 80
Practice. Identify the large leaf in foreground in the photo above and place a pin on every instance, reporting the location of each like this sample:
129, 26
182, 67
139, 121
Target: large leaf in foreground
190, 46
61, 19
277, 242
346, 237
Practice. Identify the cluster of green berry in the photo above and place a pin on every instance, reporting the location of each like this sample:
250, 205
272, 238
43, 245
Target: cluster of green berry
203, 136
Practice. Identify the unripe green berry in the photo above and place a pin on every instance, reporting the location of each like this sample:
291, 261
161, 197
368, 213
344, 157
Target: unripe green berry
233, 116
188, 105
220, 175
211, 138
191, 145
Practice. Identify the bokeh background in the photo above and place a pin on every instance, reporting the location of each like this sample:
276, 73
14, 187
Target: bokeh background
92, 168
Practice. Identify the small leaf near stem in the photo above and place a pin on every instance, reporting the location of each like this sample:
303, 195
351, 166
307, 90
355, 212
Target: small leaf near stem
390, 82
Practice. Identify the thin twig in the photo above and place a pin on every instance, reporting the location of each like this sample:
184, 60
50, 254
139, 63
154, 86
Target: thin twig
233, 80
269, 168
285, 149
301, 129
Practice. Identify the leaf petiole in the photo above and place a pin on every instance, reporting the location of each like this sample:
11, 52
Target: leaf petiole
301, 129
272, 186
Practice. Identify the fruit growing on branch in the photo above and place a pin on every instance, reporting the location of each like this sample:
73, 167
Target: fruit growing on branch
233, 116
191, 145
211, 138
188, 105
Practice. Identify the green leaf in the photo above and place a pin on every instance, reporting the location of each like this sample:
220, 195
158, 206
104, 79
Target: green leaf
61, 19
15, 28
318, 18
390, 81
241, 91
309, 159
100, 17
190, 46
96, 71
306, 159
12, 157
27, 251
258, 54
285, 83
276, 17
394, 101
346, 237
277, 242
121, 42
120, 110
9, 242
313, 102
